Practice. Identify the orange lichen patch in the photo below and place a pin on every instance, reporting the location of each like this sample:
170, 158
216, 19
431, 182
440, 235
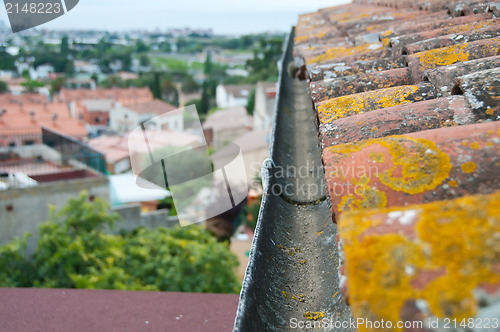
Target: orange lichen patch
300, 298
314, 315
490, 111
443, 56
385, 34
364, 197
474, 145
301, 39
423, 166
377, 157
469, 167
453, 183
354, 104
284, 294
336, 52
458, 237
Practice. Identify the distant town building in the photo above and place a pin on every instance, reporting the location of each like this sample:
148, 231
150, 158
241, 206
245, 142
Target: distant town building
34, 177
226, 125
265, 101
43, 71
80, 83
116, 148
232, 95
125, 118
95, 113
86, 67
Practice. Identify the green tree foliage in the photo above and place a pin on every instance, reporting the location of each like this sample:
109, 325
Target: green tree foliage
141, 47
64, 46
56, 85
205, 99
251, 102
264, 65
4, 88
74, 252
70, 68
7, 61
31, 86
144, 60
209, 67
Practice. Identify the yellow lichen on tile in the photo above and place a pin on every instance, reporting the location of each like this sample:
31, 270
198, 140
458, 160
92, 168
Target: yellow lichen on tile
314, 315
317, 35
336, 52
443, 56
423, 165
341, 107
364, 197
468, 167
457, 237
385, 34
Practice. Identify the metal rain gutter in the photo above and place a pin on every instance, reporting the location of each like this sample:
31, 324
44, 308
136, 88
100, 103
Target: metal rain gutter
292, 275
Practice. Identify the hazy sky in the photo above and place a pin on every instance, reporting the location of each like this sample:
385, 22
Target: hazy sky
225, 16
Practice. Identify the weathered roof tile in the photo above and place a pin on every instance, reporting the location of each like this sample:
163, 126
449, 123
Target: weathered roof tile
341, 86
420, 167
440, 257
398, 120
348, 105
482, 91
419, 62
444, 77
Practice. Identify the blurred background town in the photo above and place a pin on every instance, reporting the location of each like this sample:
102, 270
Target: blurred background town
68, 100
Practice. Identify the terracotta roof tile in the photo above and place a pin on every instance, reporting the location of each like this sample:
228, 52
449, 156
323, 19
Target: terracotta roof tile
444, 77
341, 86
318, 72
457, 38
348, 105
482, 91
442, 255
419, 62
434, 24
403, 119
420, 167
425, 36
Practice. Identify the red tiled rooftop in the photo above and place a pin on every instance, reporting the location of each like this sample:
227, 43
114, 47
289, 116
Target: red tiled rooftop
29, 118
76, 310
124, 96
